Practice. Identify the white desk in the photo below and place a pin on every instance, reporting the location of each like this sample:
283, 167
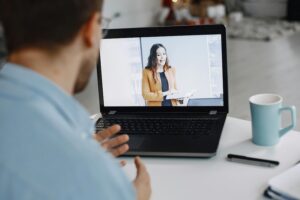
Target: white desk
216, 178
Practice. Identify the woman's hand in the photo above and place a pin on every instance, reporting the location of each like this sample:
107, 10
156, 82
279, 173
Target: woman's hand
173, 91
170, 92
166, 93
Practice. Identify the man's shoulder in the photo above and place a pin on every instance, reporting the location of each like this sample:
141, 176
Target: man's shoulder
25, 108
44, 151
10, 90
30, 122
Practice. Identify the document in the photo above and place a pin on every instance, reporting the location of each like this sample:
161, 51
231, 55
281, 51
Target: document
181, 95
287, 184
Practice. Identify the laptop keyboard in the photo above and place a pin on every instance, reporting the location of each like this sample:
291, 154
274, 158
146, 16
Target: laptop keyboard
162, 126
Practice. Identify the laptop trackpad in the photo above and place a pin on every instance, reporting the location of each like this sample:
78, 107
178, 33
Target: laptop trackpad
159, 143
136, 142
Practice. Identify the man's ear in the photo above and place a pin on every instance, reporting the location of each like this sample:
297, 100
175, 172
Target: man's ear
91, 30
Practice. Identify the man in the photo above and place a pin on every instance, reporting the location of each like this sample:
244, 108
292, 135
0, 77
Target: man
48, 149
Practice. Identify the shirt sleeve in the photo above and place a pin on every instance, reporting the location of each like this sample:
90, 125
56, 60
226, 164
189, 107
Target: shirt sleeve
51, 162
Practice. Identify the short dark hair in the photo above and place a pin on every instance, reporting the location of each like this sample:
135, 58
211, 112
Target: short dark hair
44, 23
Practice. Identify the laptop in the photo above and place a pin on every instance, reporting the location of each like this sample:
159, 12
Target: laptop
166, 87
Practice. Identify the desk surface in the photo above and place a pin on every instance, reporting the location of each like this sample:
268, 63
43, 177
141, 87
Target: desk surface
216, 178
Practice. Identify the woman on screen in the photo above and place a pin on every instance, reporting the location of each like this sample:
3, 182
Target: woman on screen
158, 78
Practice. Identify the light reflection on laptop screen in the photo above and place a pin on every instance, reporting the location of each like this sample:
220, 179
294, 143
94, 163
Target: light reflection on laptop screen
162, 71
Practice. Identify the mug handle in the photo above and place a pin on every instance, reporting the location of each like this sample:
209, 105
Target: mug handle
292, 110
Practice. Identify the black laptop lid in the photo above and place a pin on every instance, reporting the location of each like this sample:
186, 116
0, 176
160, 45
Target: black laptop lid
194, 56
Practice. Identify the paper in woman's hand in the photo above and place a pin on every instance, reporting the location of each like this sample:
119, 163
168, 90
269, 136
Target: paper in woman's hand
181, 94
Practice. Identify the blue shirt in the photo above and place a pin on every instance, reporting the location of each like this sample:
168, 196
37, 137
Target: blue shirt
46, 145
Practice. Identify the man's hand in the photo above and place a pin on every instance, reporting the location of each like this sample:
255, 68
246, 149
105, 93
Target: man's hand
115, 145
142, 181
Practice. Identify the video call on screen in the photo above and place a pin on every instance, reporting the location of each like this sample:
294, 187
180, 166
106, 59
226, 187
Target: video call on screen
191, 76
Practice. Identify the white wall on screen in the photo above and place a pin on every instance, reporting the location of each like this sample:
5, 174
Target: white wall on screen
121, 72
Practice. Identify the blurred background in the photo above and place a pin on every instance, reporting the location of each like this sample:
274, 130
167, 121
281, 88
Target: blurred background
263, 43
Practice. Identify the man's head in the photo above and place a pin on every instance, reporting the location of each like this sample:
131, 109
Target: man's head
52, 25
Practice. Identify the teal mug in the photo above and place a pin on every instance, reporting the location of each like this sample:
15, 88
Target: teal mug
266, 112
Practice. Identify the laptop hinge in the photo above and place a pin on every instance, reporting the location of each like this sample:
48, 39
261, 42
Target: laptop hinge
213, 112
112, 112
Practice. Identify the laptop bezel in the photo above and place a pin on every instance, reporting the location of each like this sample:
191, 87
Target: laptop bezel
168, 31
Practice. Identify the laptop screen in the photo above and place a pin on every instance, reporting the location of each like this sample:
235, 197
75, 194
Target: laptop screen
183, 70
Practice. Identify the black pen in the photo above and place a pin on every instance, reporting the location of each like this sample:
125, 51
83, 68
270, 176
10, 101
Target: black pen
252, 161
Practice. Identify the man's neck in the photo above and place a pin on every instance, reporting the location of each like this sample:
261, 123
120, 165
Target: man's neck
62, 69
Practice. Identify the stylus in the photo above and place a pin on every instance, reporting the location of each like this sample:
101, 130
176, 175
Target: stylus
252, 161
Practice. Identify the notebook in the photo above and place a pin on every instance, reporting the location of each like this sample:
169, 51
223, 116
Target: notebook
166, 87
286, 185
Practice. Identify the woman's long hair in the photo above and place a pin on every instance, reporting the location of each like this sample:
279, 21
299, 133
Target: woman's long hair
152, 61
